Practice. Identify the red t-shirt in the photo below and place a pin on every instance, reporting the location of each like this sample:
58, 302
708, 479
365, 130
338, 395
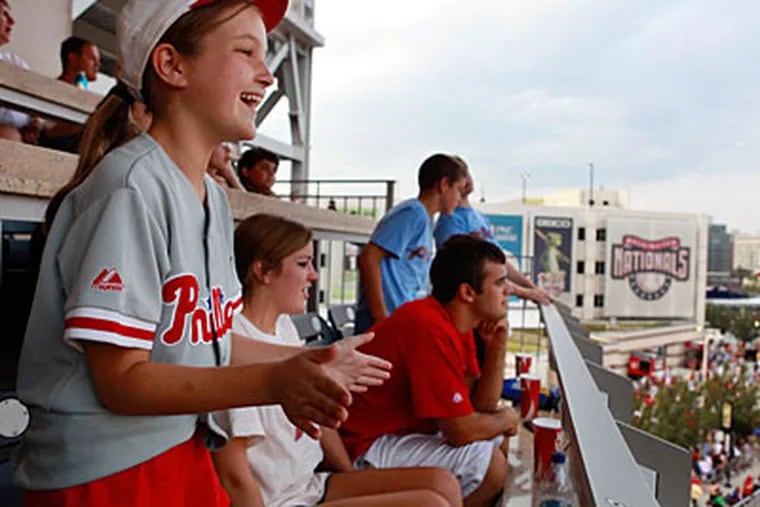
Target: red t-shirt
431, 362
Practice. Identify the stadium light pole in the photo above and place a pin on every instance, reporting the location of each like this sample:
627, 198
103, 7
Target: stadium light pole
591, 184
525, 176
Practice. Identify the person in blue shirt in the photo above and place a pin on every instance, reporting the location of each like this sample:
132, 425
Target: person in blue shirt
467, 220
395, 263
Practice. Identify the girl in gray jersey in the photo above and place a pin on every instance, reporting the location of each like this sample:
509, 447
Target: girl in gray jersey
129, 337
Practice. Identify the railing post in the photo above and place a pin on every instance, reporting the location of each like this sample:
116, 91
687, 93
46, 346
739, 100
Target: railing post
389, 191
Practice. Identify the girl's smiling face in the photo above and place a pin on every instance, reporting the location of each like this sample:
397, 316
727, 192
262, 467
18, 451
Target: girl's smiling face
291, 281
227, 79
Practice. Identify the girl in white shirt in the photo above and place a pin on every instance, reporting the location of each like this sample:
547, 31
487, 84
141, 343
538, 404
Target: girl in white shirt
269, 461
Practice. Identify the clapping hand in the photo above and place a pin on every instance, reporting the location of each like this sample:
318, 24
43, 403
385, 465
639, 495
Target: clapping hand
314, 387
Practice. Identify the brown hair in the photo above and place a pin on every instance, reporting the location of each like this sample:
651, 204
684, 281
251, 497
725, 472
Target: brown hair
439, 166
110, 125
460, 260
266, 238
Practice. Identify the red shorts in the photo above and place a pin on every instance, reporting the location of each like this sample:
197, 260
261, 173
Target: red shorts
183, 476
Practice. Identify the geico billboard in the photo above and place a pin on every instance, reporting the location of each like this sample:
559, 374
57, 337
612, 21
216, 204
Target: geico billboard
650, 268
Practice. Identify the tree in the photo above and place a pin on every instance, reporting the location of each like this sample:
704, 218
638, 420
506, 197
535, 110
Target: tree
742, 322
683, 414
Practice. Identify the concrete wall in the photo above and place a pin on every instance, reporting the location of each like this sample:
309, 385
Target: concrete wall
40, 27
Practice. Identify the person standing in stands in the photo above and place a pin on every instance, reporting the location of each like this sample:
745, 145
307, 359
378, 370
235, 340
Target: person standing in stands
257, 168
80, 63
394, 265
14, 125
268, 461
467, 220
220, 167
129, 343
439, 408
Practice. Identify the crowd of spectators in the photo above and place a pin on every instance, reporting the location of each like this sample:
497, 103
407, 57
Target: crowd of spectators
722, 465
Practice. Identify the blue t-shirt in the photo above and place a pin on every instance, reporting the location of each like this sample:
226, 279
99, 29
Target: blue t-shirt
406, 234
467, 221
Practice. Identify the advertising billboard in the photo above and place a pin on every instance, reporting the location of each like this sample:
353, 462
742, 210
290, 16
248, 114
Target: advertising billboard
553, 254
650, 270
508, 232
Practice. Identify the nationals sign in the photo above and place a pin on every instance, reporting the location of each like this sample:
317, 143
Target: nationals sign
650, 268
643, 262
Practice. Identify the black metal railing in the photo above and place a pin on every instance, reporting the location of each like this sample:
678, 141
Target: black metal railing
367, 198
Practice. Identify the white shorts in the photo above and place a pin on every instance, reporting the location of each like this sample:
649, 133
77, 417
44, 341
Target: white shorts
469, 463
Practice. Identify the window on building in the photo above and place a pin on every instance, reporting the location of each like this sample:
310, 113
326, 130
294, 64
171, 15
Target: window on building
581, 268
598, 300
601, 234
599, 267
581, 233
579, 300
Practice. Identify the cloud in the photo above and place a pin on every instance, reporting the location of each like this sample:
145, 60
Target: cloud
655, 94
728, 197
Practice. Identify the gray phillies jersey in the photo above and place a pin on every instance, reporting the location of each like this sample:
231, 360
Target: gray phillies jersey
124, 264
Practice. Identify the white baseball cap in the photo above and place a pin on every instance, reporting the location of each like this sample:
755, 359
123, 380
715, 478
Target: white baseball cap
142, 23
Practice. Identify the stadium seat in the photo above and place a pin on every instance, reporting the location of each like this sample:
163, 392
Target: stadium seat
342, 318
10, 495
314, 330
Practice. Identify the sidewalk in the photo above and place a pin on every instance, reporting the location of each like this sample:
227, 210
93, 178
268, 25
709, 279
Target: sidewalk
737, 479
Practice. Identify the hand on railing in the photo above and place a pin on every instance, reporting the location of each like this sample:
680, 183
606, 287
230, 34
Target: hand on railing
539, 296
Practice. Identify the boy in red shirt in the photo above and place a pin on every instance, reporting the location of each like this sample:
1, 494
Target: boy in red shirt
438, 408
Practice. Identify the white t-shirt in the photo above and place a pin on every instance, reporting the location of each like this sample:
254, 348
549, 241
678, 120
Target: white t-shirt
8, 116
283, 461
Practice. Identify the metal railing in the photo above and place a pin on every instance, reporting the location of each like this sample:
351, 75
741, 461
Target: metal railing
366, 198
621, 466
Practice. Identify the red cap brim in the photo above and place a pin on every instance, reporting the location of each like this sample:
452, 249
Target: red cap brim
272, 11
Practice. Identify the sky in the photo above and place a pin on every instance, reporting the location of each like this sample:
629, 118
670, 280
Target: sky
661, 96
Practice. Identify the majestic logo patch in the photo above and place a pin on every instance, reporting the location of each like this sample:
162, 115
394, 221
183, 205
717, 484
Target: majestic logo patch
650, 266
108, 280
457, 398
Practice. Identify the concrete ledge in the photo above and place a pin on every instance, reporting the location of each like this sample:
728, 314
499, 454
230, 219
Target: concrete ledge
38, 173
39, 95
33, 171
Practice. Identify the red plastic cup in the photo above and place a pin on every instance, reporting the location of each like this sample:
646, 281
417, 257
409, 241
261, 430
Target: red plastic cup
547, 438
523, 363
530, 389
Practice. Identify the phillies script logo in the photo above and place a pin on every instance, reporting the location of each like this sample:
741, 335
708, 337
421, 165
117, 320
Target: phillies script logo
182, 293
650, 266
421, 252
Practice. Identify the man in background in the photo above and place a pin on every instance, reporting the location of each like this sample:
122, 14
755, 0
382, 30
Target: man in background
257, 168
14, 125
80, 63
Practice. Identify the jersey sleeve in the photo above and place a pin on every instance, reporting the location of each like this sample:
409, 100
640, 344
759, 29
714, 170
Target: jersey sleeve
436, 375
112, 264
395, 233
